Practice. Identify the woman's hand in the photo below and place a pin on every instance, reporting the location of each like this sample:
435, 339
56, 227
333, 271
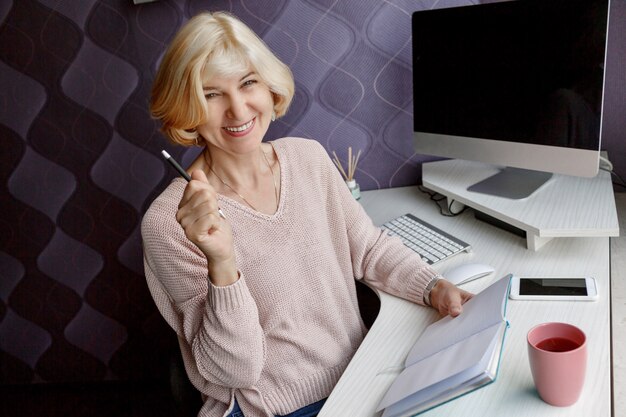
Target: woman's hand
199, 217
447, 298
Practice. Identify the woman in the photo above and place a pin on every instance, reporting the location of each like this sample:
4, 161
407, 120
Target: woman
263, 301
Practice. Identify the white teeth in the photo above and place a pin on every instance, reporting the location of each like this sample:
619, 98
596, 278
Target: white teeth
240, 128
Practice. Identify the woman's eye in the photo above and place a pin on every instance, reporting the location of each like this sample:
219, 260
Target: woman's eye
210, 95
249, 82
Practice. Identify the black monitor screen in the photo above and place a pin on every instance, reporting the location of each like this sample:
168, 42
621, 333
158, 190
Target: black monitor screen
522, 71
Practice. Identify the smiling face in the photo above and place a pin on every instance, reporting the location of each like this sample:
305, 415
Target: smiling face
239, 111
211, 47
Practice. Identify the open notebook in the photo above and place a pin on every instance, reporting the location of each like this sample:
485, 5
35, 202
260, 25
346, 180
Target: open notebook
453, 356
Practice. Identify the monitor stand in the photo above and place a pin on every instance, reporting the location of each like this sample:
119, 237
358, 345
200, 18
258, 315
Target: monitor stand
564, 206
513, 183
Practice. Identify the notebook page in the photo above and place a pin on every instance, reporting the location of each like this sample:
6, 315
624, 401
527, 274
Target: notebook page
482, 311
458, 385
441, 366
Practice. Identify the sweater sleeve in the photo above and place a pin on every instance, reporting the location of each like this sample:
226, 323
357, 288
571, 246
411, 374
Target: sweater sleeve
220, 325
382, 261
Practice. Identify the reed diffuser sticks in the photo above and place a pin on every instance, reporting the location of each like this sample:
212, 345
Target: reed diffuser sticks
348, 176
353, 160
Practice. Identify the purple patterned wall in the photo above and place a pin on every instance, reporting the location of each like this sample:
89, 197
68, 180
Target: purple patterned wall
80, 155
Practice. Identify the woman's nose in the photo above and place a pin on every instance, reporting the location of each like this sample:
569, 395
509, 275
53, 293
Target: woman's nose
237, 107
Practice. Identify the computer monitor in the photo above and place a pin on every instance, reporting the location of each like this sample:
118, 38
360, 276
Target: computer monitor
517, 84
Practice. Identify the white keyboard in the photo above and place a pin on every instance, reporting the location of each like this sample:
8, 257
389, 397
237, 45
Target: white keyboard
431, 243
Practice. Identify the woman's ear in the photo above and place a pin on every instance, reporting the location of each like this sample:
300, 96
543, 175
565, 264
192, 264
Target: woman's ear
277, 99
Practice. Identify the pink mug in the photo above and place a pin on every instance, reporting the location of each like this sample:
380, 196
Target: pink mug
558, 360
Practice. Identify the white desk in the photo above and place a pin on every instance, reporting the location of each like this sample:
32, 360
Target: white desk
399, 322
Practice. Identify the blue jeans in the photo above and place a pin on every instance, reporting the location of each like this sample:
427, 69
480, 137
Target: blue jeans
310, 410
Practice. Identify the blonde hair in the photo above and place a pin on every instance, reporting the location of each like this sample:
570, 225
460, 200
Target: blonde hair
211, 44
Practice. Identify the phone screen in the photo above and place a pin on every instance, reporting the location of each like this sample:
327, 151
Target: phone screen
560, 286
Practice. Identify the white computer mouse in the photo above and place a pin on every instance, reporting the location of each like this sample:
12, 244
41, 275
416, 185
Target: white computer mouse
467, 272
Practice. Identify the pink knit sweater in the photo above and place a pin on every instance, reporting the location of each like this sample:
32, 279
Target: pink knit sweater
281, 336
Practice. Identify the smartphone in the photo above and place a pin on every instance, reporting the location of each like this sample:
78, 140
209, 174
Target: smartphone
554, 288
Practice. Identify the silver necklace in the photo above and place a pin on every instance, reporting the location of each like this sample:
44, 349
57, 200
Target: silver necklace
235, 191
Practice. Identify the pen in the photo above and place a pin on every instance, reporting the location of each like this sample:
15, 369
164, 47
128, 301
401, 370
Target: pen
182, 172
